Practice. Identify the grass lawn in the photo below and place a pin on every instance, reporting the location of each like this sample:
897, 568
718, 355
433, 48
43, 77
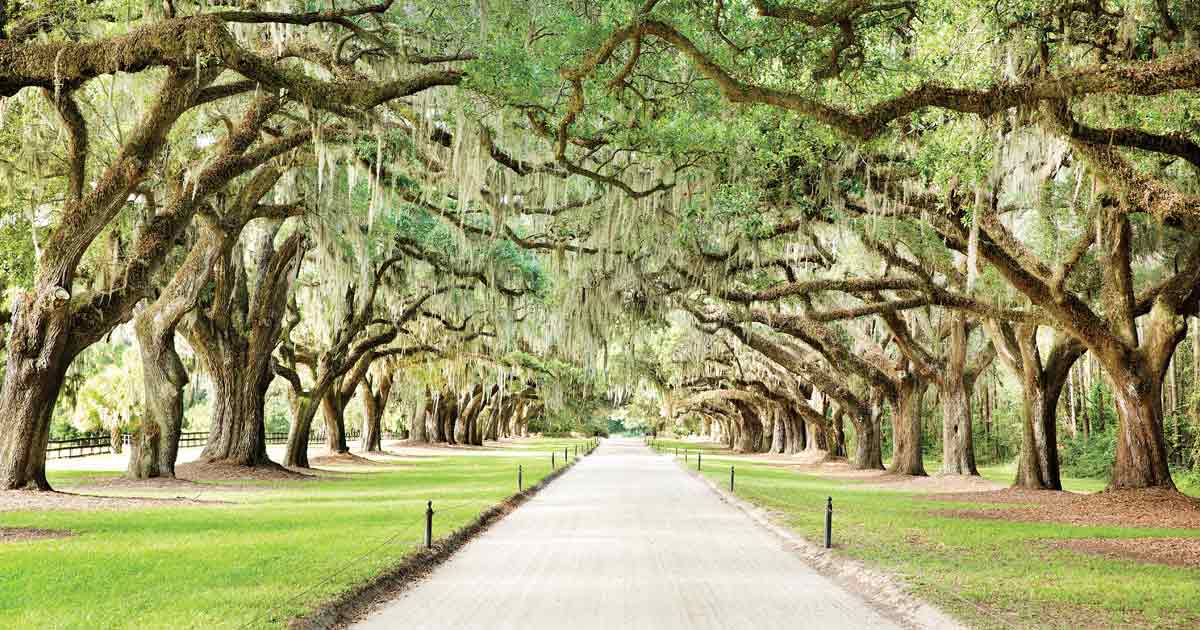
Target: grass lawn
275, 552
988, 573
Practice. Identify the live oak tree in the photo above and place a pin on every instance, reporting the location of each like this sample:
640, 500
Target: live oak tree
187, 56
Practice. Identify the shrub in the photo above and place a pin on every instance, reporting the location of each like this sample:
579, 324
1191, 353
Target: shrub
1090, 456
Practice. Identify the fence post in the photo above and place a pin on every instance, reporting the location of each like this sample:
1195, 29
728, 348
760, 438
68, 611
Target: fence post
520, 479
429, 526
829, 523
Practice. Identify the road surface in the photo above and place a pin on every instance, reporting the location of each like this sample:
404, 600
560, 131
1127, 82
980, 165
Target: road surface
625, 540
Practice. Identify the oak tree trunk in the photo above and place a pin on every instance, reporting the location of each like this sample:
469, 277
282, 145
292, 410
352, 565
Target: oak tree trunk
419, 422
906, 427
333, 408
31, 387
1141, 460
155, 446
837, 445
958, 449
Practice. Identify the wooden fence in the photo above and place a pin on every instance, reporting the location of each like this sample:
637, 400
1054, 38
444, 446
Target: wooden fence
100, 443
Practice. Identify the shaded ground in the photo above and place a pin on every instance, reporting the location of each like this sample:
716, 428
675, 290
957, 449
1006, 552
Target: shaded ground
25, 534
1177, 552
343, 458
1119, 508
937, 483
18, 500
221, 472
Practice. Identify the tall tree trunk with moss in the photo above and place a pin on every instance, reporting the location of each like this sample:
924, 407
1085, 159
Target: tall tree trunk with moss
155, 444
868, 442
235, 335
375, 392
906, 427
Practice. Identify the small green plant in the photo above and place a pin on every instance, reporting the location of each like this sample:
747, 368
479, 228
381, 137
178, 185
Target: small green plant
1090, 456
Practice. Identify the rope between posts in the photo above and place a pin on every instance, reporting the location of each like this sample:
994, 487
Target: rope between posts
390, 540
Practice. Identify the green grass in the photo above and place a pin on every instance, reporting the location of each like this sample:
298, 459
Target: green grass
989, 573
273, 554
1000, 473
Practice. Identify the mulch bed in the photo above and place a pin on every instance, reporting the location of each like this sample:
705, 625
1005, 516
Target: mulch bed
1176, 552
20, 500
939, 484
341, 459
25, 534
208, 471
1159, 508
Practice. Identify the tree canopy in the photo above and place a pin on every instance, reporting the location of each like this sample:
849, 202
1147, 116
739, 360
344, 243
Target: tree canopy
765, 218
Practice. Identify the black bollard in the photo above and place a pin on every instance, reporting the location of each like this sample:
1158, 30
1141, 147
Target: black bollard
731, 478
551, 460
565, 456
829, 523
697, 460
685, 456
429, 526
520, 479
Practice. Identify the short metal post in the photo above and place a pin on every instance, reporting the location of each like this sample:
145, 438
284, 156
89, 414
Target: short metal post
731, 478
552, 460
429, 526
829, 523
685, 456
520, 479
564, 456
697, 460
676, 451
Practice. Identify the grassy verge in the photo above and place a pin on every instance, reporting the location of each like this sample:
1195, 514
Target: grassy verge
271, 554
989, 573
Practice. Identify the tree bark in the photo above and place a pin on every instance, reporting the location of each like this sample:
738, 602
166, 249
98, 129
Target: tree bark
418, 423
235, 338
375, 398
750, 430
906, 427
304, 410
958, 449
333, 410
30, 390
837, 445
868, 445
778, 435
155, 445
1142, 456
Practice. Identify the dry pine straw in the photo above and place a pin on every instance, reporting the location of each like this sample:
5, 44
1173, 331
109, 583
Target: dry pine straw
1176, 552
22, 500
1156, 508
80, 499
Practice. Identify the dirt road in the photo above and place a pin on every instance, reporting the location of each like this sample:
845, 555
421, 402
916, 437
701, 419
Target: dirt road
626, 540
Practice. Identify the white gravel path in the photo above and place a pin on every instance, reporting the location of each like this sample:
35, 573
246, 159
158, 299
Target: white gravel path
626, 540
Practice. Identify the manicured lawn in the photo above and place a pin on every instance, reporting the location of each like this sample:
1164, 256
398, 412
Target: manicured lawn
272, 554
989, 573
